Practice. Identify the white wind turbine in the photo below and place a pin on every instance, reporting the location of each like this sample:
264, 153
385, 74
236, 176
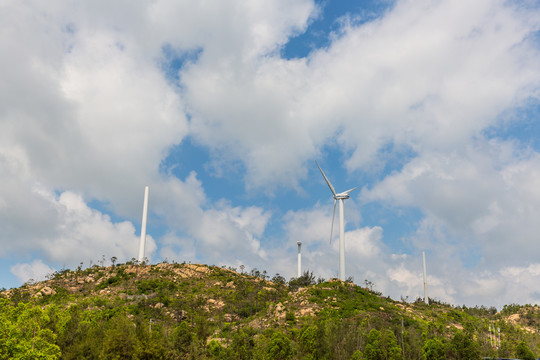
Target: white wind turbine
338, 197
299, 258
142, 243
426, 297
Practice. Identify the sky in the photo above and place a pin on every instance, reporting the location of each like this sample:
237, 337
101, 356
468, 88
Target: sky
430, 107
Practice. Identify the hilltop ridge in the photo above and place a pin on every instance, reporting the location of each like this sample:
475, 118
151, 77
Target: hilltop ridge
196, 311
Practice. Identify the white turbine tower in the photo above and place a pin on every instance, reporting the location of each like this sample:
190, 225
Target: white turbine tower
142, 243
338, 197
426, 298
299, 258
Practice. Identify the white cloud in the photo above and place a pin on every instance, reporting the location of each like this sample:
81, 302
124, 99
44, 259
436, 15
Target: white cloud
36, 271
427, 76
479, 197
77, 233
364, 242
214, 233
309, 226
87, 232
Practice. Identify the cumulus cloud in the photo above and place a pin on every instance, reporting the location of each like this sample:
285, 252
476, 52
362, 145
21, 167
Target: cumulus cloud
35, 271
364, 242
215, 233
482, 192
399, 80
78, 233
86, 232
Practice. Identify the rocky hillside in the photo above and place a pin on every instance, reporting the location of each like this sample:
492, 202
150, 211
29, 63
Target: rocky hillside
175, 311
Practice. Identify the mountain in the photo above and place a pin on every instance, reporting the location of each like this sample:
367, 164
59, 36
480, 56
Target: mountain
193, 311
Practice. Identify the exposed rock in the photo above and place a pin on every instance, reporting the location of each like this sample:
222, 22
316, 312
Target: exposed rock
218, 304
257, 323
47, 291
131, 269
199, 268
182, 315
230, 317
221, 341
309, 311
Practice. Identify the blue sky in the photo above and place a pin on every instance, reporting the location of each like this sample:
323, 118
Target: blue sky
431, 108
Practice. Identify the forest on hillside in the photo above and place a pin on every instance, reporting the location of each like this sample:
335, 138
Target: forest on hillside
191, 311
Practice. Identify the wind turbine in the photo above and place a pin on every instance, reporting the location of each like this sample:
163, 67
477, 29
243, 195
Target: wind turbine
426, 298
142, 243
338, 197
299, 258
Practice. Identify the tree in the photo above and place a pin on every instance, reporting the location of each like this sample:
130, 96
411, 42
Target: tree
391, 349
120, 340
24, 335
278, 279
278, 348
463, 347
372, 351
242, 345
434, 349
306, 279
524, 352
309, 340
182, 338
382, 346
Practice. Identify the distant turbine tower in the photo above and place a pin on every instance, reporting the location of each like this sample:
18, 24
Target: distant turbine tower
338, 197
142, 243
426, 298
299, 258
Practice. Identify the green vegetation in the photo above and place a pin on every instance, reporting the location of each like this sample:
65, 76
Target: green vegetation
189, 311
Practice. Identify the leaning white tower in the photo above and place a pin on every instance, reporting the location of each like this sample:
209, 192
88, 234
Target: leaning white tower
142, 243
426, 298
299, 258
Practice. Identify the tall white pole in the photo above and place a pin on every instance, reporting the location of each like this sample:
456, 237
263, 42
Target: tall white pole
142, 243
426, 298
299, 258
341, 242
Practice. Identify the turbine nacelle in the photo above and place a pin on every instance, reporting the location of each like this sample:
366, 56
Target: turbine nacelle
344, 195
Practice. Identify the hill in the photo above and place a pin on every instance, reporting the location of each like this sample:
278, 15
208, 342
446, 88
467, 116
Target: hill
192, 311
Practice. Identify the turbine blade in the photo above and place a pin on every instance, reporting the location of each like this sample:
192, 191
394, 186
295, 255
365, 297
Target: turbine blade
333, 215
327, 181
348, 191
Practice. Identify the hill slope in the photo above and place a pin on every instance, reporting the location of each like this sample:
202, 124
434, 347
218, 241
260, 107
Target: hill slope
191, 311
